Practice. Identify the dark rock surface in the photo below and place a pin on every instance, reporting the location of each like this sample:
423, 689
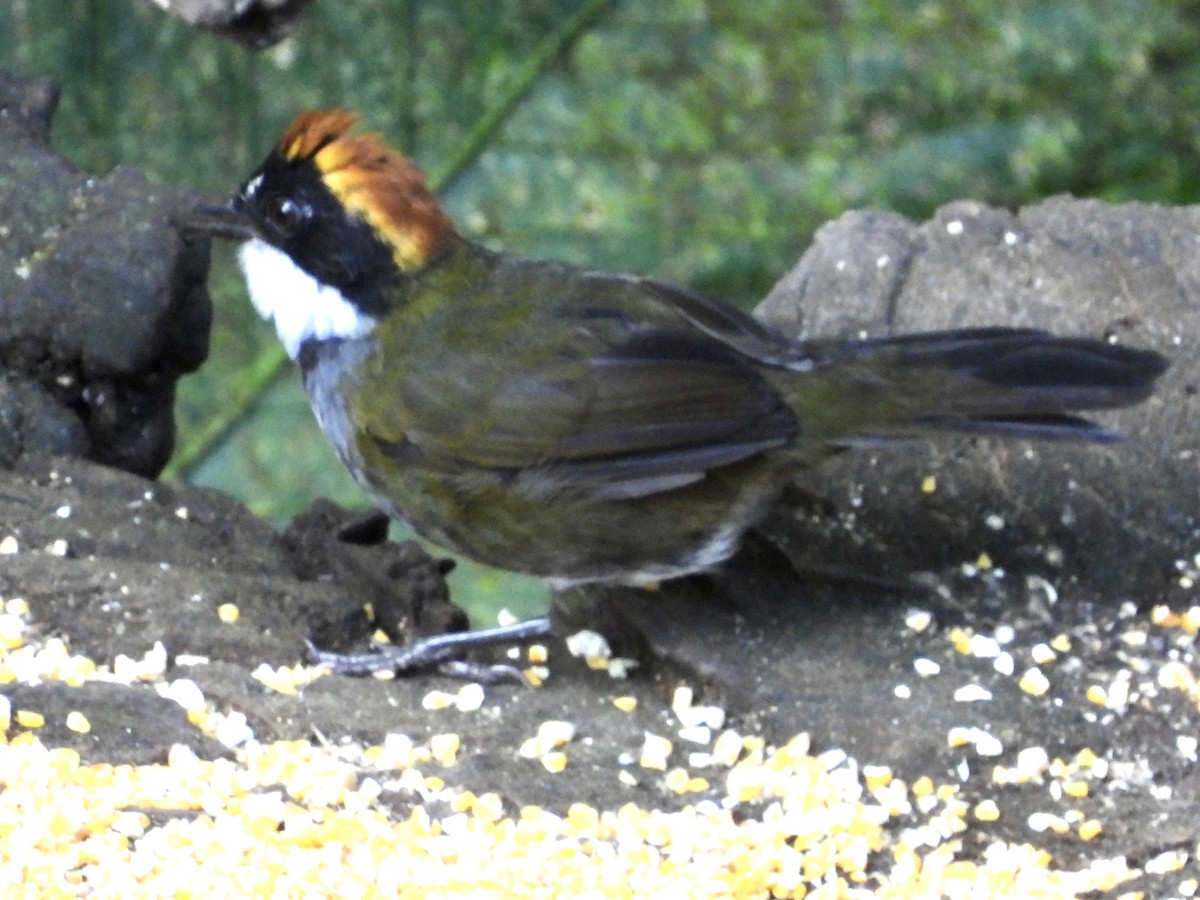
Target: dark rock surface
113, 563
103, 304
1113, 519
129, 724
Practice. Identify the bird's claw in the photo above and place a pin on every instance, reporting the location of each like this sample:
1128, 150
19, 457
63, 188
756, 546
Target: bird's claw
440, 652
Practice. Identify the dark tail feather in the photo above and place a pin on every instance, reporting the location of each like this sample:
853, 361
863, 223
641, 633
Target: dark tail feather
1014, 382
1063, 427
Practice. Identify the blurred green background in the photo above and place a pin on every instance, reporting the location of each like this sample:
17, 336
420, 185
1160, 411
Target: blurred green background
700, 140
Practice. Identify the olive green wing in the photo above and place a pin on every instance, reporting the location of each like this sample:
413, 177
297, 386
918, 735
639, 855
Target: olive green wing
737, 330
650, 408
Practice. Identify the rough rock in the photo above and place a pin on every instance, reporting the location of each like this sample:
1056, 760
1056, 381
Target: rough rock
103, 304
1113, 518
126, 724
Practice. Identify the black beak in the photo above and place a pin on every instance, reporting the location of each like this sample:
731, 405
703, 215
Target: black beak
223, 220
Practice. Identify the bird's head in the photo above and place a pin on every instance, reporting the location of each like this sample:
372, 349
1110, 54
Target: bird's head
330, 221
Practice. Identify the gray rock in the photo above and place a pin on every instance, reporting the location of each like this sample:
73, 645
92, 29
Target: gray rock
1118, 519
103, 304
129, 724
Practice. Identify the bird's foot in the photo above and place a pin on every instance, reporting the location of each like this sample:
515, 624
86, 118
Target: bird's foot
440, 653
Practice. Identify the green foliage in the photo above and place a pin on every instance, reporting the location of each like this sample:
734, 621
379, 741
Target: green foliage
701, 140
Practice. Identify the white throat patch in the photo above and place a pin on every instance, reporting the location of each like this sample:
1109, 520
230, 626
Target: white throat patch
300, 306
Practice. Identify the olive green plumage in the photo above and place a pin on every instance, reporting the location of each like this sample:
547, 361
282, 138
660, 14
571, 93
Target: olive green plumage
585, 426
591, 426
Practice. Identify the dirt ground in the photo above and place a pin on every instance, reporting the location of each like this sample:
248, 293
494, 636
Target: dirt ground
114, 564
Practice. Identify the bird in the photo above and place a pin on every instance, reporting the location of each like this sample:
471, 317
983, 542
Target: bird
586, 426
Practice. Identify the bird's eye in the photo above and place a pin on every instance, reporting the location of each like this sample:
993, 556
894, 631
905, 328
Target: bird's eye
285, 214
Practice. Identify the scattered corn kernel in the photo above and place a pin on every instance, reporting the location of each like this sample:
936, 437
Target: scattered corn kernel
876, 777
983, 743
438, 700
276, 801
677, 780
555, 733
918, 620
961, 639
1175, 674
530, 749
444, 748
228, 613
12, 631
78, 722
1090, 829
681, 700
1187, 745
554, 761
1044, 821
1161, 615
27, 718
926, 667
1167, 861
986, 811
746, 783
958, 736
984, 646
626, 703
972, 693
150, 667
696, 734
1034, 682
537, 654
589, 645
287, 679
325, 829
1042, 654
1076, 789
1061, 643
727, 748
551, 734
469, 698
620, 667
655, 752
